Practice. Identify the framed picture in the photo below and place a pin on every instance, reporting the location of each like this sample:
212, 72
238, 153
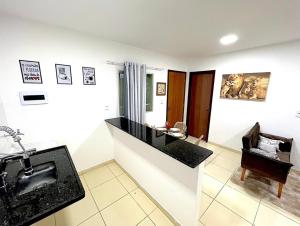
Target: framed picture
88, 76
63, 74
245, 86
31, 72
160, 89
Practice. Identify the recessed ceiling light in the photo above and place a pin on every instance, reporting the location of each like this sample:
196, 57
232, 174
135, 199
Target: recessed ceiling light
229, 39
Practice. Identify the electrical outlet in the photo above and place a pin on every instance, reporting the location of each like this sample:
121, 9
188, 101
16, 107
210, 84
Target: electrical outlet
298, 114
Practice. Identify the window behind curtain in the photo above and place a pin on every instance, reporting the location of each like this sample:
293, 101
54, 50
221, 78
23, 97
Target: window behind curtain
121, 93
149, 93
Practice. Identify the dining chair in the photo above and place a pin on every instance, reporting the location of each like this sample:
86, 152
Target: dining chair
197, 142
181, 126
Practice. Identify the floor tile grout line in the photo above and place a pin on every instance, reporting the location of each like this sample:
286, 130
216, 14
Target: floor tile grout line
94, 202
139, 187
133, 198
151, 219
102, 182
233, 211
215, 200
256, 212
87, 219
147, 215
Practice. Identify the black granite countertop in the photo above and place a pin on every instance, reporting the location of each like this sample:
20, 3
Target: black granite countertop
33, 206
185, 152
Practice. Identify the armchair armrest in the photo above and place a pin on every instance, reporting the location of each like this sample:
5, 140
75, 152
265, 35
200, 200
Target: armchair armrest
251, 138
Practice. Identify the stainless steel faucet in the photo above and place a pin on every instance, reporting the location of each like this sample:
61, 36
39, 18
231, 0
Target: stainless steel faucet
15, 136
6, 157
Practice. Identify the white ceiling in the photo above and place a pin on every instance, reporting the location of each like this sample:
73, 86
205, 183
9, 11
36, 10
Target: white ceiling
186, 28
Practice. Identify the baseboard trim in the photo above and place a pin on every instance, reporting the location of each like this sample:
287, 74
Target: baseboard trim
80, 173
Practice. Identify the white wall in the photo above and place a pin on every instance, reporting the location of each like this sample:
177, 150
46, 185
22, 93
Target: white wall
75, 114
231, 119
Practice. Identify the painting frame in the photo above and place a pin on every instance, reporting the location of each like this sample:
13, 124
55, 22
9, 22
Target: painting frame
161, 88
245, 86
89, 75
67, 73
28, 74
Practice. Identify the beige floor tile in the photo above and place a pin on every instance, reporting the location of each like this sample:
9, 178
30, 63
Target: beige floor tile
95, 220
205, 202
280, 210
231, 155
115, 168
98, 176
219, 215
242, 204
160, 219
48, 221
77, 212
218, 172
267, 216
226, 163
211, 186
108, 193
142, 199
124, 212
126, 181
146, 222
200, 224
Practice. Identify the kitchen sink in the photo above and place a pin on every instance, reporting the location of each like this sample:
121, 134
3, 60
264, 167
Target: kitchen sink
43, 175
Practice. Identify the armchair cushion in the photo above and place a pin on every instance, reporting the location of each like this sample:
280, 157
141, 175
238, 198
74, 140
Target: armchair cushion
286, 146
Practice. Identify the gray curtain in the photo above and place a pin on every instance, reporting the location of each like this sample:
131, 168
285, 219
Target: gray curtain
135, 91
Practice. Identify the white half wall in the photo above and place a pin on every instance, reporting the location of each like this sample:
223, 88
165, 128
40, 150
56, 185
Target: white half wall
231, 119
75, 113
175, 186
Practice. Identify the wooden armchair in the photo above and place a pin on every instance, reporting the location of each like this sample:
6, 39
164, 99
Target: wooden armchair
275, 169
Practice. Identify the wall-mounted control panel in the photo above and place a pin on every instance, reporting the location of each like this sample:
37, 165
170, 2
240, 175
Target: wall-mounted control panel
33, 97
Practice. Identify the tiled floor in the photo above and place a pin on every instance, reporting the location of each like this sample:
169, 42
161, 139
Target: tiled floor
113, 199
224, 203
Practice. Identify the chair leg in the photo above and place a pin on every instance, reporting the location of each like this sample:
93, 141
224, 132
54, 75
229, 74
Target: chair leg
243, 174
280, 186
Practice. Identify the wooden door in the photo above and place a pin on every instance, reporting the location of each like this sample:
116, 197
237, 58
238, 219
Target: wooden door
176, 94
199, 105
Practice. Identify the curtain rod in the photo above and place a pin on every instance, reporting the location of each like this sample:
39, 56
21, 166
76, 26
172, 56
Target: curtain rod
122, 64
